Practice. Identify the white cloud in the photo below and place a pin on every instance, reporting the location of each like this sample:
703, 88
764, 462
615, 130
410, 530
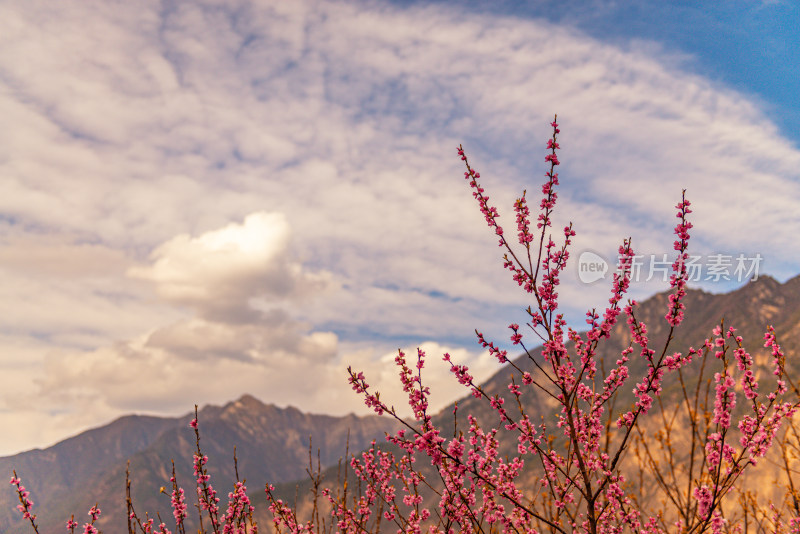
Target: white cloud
219, 272
238, 281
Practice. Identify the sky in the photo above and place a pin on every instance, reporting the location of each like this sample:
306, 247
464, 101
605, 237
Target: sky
204, 199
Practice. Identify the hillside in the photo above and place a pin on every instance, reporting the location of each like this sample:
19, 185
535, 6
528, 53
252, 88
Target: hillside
272, 445
749, 309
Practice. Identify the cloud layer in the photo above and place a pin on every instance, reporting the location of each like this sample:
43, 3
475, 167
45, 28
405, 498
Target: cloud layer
202, 199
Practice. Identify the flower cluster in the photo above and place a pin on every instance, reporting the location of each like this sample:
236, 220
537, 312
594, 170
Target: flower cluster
238, 516
678, 279
25, 503
239, 509
177, 500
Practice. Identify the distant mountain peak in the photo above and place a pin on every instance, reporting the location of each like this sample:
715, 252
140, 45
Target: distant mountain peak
763, 280
248, 401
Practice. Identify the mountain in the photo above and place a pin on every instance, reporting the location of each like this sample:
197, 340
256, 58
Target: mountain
750, 309
272, 445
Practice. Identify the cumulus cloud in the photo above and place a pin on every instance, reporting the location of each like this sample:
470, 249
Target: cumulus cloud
219, 272
237, 280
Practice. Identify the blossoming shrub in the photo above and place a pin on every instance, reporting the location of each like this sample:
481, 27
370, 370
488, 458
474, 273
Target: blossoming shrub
572, 466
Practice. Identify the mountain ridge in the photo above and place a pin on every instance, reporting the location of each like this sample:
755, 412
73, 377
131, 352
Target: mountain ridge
272, 444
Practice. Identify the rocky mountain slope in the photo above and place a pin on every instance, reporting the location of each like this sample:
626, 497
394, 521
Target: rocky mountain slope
749, 309
272, 444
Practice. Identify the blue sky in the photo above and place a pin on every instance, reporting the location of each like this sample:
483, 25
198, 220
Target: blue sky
750, 46
199, 200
